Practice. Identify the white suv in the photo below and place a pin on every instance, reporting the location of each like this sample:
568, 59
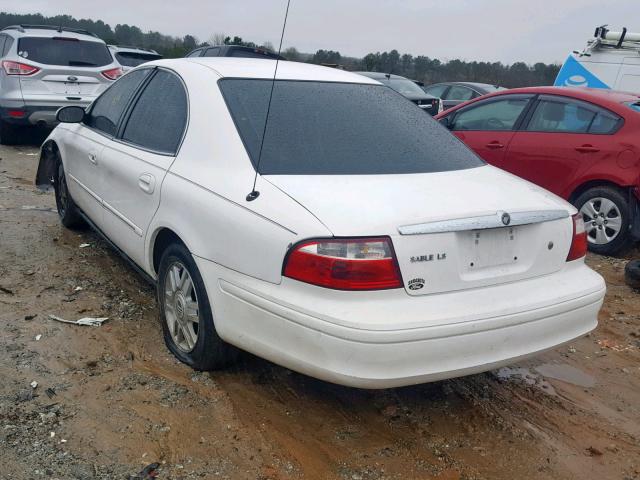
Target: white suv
131, 57
45, 68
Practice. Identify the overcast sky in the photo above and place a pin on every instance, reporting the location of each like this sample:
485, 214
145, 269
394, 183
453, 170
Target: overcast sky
495, 30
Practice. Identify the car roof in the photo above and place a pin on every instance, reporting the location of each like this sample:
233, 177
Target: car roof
606, 98
383, 76
468, 84
259, 68
596, 95
123, 48
38, 31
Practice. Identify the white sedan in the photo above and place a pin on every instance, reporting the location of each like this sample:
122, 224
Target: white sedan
374, 249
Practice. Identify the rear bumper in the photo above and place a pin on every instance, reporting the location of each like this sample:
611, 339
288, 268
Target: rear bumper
390, 339
36, 114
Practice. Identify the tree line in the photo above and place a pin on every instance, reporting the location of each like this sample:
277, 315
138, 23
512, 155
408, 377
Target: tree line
422, 68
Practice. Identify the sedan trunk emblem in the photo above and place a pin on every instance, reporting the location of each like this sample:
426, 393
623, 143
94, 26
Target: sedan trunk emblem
71, 78
506, 218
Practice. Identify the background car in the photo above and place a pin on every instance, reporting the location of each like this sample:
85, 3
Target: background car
581, 144
409, 89
130, 57
358, 244
455, 93
236, 51
45, 68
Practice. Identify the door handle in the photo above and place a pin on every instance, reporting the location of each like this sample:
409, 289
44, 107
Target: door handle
147, 183
93, 159
494, 145
587, 149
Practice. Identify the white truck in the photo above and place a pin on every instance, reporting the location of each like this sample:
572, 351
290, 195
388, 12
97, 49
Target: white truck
610, 60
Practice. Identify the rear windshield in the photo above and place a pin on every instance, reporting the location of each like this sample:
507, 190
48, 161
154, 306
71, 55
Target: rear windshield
322, 128
131, 59
635, 106
68, 52
404, 86
243, 53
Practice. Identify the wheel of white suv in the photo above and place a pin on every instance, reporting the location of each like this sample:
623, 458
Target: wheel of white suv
185, 313
67, 208
606, 215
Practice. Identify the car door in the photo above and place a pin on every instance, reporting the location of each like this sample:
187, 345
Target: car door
562, 138
84, 143
488, 126
135, 163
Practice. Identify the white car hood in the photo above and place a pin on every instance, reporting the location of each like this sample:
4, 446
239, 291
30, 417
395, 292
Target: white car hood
362, 205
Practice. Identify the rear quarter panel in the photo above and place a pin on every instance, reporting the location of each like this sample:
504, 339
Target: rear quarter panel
203, 198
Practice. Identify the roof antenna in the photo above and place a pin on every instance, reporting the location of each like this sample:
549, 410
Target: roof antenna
253, 194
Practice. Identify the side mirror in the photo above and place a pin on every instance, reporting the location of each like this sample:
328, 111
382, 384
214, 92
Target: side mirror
446, 122
71, 114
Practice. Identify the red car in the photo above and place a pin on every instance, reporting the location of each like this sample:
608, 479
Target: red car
581, 144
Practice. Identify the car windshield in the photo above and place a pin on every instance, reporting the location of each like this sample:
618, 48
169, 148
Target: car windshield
133, 59
65, 51
325, 128
404, 86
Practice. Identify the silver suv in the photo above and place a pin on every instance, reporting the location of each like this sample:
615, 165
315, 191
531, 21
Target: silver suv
45, 68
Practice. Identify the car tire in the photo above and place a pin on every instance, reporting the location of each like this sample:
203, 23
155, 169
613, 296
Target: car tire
605, 210
67, 209
8, 133
632, 274
178, 296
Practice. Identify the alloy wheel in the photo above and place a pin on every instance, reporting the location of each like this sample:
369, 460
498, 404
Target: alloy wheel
602, 220
63, 194
181, 308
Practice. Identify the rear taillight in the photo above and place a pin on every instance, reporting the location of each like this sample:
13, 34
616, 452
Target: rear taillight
113, 73
17, 68
345, 264
579, 241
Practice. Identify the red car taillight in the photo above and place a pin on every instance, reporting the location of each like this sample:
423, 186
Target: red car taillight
579, 241
113, 74
345, 263
17, 68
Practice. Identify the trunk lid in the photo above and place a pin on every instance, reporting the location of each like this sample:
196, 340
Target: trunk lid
64, 81
447, 228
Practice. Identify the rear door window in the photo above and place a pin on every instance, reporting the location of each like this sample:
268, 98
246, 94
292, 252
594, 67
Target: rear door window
496, 115
106, 111
605, 123
64, 51
159, 117
561, 116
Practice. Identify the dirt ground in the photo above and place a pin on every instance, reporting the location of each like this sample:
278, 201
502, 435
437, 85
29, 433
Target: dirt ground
110, 400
